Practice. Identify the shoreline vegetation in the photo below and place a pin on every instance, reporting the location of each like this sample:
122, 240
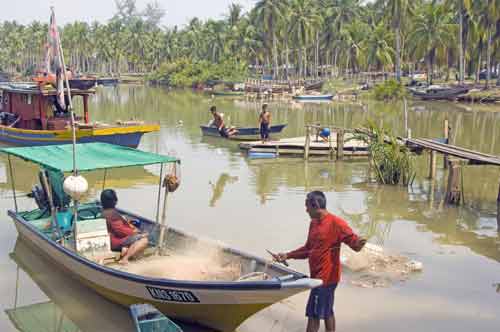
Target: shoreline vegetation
358, 42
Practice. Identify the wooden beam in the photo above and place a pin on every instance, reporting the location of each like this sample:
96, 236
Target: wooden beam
446, 135
307, 143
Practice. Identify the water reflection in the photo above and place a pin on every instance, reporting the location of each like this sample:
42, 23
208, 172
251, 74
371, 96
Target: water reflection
219, 186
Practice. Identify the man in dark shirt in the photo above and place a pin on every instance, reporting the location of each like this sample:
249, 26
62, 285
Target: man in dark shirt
326, 234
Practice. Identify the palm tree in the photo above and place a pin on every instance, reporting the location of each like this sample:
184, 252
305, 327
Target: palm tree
433, 29
399, 10
461, 7
377, 48
268, 16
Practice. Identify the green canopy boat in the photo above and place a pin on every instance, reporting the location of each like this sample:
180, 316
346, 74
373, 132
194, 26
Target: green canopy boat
239, 285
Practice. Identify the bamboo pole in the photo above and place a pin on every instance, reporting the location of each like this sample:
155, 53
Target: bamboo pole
498, 209
446, 137
11, 171
453, 190
307, 143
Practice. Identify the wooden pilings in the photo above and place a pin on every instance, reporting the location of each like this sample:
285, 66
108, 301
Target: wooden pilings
498, 209
340, 144
453, 192
447, 141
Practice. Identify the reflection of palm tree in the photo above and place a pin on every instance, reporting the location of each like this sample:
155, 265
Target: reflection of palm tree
218, 188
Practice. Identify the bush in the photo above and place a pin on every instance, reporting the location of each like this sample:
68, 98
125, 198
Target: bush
392, 160
188, 73
390, 89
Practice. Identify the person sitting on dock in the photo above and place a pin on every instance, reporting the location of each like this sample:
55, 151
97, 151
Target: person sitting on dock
326, 234
125, 237
264, 123
218, 122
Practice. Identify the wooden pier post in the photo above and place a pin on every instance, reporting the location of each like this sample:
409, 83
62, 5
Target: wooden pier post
307, 143
446, 137
498, 209
453, 193
432, 164
340, 144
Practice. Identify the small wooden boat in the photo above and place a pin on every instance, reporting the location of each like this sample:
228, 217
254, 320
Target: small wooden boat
148, 319
313, 97
242, 133
237, 285
436, 92
314, 85
107, 81
227, 93
82, 83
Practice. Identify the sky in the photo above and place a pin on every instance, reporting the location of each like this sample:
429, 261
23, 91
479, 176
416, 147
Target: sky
178, 11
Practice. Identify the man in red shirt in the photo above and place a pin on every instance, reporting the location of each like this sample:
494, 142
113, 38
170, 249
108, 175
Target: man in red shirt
326, 234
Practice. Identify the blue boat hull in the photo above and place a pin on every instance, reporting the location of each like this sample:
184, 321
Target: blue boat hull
243, 133
313, 97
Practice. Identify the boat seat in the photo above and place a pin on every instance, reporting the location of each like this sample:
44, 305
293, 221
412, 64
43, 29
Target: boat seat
92, 239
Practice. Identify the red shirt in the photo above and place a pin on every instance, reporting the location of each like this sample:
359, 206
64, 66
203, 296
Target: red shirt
323, 247
118, 228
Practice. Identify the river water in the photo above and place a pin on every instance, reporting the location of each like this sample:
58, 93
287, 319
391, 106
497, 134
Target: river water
255, 205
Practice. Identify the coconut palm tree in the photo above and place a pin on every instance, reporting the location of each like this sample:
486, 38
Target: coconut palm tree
433, 29
460, 7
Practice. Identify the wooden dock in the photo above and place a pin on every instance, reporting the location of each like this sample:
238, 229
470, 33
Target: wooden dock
297, 146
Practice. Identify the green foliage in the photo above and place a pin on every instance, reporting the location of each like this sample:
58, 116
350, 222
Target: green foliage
390, 89
186, 73
392, 161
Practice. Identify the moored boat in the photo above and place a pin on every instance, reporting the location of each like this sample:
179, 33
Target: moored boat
82, 83
227, 93
241, 133
148, 319
437, 92
107, 81
313, 97
31, 114
240, 284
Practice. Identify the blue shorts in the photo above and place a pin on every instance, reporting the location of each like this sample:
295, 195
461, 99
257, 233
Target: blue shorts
264, 130
320, 304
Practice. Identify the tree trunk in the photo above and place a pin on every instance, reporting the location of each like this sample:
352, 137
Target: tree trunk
461, 46
429, 69
398, 54
275, 57
488, 58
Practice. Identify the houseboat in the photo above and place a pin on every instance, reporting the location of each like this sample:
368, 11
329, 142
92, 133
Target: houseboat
30, 114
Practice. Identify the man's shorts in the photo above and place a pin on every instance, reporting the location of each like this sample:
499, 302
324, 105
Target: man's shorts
320, 304
264, 130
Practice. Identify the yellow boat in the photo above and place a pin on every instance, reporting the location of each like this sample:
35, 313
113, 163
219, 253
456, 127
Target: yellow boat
30, 115
240, 284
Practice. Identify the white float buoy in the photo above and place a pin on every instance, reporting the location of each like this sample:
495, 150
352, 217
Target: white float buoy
75, 186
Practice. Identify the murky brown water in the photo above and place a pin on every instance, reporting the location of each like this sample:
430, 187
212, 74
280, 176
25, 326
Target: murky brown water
258, 204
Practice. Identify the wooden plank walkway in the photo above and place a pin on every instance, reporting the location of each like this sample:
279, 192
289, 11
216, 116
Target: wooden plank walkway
296, 146
474, 157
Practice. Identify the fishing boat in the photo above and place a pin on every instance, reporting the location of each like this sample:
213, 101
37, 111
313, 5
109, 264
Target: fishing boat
438, 92
31, 114
240, 285
82, 83
241, 133
107, 81
313, 97
227, 93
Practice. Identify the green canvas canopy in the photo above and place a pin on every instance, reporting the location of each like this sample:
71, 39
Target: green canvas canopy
89, 156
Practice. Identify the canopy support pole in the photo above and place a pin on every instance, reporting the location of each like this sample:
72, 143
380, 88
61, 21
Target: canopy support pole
163, 221
51, 205
159, 195
104, 178
13, 183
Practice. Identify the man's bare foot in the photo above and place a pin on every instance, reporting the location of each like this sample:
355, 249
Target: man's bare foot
123, 261
124, 251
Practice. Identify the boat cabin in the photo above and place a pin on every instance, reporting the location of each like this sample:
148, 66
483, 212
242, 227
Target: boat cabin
29, 106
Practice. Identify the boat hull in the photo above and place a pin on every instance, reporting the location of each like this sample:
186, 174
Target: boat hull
447, 94
126, 136
243, 133
313, 97
220, 305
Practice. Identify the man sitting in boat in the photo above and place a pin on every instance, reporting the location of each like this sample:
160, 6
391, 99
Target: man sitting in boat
125, 237
218, 122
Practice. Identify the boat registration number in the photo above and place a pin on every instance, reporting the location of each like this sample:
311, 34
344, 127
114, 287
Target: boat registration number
172, 295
